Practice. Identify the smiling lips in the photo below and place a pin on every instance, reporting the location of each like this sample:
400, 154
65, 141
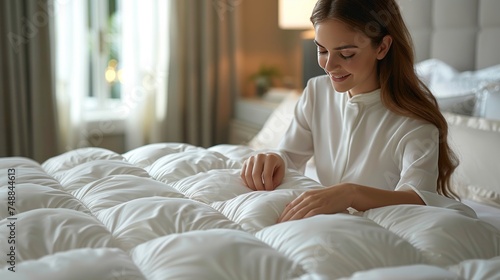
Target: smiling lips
339, 78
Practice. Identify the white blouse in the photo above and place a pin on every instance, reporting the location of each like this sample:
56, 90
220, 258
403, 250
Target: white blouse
358, 140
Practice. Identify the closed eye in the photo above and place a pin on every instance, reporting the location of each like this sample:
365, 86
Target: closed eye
346, 56
322, 51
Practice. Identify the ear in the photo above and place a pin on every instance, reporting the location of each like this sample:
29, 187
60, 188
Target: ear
384, 47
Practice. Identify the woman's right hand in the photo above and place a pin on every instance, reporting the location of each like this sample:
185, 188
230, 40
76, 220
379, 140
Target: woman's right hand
263, 172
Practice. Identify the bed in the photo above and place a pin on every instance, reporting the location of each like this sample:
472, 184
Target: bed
177, 211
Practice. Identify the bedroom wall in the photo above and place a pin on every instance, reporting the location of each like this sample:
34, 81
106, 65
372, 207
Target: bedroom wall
261, 41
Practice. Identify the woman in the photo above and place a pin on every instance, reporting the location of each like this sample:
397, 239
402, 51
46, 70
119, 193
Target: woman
374, 129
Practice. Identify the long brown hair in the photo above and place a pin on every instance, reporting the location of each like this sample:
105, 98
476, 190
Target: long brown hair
402, 91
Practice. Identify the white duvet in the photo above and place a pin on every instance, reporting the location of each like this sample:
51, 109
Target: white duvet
175, 211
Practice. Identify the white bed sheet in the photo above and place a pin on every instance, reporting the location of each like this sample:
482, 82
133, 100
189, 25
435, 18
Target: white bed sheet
485, 212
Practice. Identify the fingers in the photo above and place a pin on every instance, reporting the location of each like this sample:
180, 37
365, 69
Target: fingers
243, 175
249, 170
247, 173
256, 172
263, 171
308, 204
293, 211
297, 209
279, 174
268, 174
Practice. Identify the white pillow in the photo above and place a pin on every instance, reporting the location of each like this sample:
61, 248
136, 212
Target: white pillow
276, 125
457, 92
491, 73
488, 102
456, 95
432, 71
463, 105
475, 141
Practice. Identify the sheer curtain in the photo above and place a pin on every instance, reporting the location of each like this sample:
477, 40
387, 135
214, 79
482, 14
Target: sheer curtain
72, 64
27, 107
145, 58
144, 53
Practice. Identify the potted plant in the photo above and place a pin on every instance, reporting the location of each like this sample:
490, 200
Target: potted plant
263, 78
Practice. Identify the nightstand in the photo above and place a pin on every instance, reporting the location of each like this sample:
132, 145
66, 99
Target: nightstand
252, 113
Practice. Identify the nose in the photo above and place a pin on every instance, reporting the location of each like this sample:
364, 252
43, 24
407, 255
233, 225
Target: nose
331, 62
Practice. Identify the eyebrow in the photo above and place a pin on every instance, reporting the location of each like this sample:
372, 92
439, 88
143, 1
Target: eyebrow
337, 48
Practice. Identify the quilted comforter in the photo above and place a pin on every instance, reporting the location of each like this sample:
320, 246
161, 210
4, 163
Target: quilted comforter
175, 211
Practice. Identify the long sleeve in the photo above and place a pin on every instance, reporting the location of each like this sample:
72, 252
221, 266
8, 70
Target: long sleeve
418, 152
296, 146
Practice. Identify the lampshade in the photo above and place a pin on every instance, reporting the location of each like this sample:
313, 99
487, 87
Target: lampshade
295, 14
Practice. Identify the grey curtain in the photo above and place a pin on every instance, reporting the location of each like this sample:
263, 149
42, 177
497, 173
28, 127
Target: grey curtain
202, 81
27, 104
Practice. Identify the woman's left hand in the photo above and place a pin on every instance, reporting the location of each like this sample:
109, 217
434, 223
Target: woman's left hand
329, 200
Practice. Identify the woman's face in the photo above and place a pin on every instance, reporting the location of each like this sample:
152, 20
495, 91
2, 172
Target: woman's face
348, 57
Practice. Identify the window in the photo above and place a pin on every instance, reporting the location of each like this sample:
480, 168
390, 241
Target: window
111, 73
104, 25
104, 73
88, 46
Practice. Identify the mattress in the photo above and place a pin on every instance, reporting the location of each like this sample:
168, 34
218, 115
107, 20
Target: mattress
176, 211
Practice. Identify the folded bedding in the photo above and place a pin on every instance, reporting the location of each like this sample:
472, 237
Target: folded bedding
176, 211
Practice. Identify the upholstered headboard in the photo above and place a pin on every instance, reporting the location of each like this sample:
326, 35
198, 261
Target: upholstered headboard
463, 33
